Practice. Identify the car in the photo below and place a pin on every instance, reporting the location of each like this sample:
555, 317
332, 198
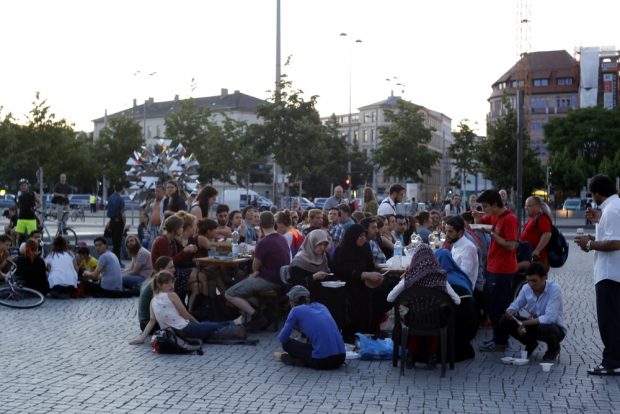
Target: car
79, 200
7, 201
572, 204
296, 202
264, 203
319, 202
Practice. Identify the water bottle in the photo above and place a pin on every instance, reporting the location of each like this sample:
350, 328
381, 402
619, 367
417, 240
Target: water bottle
235, 249
398, 252
235, 236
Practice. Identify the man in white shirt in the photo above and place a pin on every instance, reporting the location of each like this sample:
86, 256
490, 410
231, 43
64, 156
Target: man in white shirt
606, 246
464, 252
388, 205
454, 207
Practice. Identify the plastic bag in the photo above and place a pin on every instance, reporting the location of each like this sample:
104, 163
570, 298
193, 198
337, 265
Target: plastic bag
375, 349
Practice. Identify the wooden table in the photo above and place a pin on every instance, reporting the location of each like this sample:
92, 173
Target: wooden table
225, 262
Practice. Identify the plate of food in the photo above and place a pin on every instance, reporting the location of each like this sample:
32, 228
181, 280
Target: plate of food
481, 227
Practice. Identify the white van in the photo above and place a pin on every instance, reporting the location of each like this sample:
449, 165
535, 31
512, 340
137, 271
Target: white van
237, 198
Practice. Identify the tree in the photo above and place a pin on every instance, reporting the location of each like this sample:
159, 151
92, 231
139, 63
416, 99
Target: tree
117, 141
464, 152
497, 155
569, 173
591, 133
403, 150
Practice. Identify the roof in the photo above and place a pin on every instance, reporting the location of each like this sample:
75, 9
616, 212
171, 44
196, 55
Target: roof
391, 102
220, 103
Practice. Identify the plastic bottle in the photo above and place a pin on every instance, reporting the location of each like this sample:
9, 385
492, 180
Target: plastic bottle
235, 249
398, 252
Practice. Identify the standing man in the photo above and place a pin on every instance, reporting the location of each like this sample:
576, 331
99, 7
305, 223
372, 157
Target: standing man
464, 251
501, 262
156, 211
454, 207
388, 205
335, 200
344, 213
315, 220
27, 201
92, 200
116, 214
537, 231
335, 230
606, 246
62, 191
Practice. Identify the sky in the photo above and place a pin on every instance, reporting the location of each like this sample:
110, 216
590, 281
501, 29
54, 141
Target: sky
86, 57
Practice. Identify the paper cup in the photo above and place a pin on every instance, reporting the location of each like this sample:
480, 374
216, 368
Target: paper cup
546, 366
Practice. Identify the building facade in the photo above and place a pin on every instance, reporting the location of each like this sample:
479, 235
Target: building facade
365, 135
551, 84
152, 115
600, 75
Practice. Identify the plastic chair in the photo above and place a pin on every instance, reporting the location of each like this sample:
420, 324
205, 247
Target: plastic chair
431, 313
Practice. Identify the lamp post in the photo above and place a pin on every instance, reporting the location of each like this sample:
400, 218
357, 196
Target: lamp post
145, 76
350, 139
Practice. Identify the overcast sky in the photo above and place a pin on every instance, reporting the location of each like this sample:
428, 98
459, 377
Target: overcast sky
83, 55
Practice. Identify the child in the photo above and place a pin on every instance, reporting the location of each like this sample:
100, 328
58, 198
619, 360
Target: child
85, 261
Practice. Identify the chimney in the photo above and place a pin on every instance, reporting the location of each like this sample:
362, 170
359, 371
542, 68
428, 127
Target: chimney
224, 92
134, 102
176, 98
237, 92
151, 100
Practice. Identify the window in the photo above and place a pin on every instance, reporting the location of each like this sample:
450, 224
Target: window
562, 102
372, 135
365, 137
564, 81
541, 82
515, 83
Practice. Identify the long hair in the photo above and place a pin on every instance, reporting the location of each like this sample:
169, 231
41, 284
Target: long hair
133, 250
203, 197
161, 279
59, 246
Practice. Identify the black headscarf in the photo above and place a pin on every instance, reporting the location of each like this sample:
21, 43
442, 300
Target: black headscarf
350, 260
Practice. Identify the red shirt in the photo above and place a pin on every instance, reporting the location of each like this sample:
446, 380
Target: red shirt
500, 260
532, 232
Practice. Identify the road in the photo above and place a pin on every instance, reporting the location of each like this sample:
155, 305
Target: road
73, 357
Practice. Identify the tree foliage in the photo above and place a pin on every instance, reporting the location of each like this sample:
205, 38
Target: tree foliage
569, 173
117, 141
464, 152
403, 150
497, 155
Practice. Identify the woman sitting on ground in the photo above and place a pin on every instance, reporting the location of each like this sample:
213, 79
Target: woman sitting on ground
31, 269
141, 266
163, 263
325, 347
62, 268
168, 311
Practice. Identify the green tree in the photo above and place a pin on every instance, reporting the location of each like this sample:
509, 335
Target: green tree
403, 150
569, 173
464, 153
115, 145
497, 155
591, 133
610, 165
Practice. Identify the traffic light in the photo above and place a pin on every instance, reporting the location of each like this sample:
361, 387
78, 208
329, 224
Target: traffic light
347, 182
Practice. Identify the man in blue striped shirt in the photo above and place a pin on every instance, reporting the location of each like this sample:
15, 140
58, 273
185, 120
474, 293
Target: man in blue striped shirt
537, 314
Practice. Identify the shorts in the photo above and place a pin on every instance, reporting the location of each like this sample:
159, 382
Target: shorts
26, 226
249, 286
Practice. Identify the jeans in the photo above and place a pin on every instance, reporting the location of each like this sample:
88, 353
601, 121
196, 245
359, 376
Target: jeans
499, 296
549, 333
132, 281
116, 229
608, 315
303, 352
203, 330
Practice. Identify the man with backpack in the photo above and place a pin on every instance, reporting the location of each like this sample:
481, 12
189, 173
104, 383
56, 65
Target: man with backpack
537, 231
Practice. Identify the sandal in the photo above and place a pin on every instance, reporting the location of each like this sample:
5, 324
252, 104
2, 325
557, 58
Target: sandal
602, 371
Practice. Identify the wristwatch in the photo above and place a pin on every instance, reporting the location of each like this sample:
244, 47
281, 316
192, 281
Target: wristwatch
589, 245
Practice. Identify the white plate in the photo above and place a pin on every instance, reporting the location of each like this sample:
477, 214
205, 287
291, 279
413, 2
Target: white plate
481, 226
333, 284
520, 361
507, 360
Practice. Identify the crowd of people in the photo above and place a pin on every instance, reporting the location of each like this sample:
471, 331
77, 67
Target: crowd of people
475, 253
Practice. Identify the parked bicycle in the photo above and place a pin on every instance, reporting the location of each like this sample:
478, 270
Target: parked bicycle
62, 229
78, 213
14, 295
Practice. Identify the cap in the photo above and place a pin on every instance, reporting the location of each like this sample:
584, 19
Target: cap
298, 292
24, 181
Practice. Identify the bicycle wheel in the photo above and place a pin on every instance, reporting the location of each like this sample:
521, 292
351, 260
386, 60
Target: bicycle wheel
71, 236
74, 215
20, 297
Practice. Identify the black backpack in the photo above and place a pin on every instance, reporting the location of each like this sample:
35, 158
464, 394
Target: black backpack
557, 248
166, 341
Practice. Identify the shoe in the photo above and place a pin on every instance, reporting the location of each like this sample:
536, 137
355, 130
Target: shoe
551, 355
287, 359
601, 370
257, 324
490, 346
530, 348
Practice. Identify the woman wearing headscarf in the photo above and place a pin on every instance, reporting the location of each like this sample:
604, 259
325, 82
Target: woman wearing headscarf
366, 288
466, 317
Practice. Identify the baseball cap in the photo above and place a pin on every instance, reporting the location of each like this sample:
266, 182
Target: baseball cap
24, 181
298, 292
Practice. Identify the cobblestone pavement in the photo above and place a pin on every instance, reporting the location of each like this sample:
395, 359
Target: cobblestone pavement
73, 356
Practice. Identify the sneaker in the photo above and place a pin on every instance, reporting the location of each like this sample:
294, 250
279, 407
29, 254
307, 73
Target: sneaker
530, 348
551, 355
490, 346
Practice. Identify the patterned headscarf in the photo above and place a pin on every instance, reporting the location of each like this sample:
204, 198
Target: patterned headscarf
424, 270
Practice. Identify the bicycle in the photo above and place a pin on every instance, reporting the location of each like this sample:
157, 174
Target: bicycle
63, 230
14, 295
78, 213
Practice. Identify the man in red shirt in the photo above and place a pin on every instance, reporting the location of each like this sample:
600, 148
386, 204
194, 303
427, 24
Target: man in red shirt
537, 231
501, 262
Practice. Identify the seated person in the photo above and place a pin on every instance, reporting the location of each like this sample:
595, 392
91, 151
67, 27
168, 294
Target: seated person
85, 261
271, 254
167, 310
108, 273
542, 300
141, 266
31, 269
5, 253
325, 347
424, 271
163, 263
62, 269
9, 228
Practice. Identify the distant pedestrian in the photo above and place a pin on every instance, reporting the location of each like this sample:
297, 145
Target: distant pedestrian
116, 214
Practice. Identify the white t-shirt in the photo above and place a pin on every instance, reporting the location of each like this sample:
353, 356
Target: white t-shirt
387, 208
465, 254
61, 271
607, 264
166, 313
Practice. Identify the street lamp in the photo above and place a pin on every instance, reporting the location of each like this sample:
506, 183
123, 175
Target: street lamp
145, 76
350, 140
